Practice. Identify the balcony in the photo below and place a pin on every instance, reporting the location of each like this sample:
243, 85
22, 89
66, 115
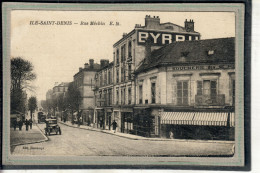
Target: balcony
208, 100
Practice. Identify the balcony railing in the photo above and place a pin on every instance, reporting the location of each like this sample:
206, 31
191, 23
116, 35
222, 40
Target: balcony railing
209, 100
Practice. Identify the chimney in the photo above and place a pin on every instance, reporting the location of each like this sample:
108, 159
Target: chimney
189, 25
86, 65
91, 63
148, 50
124, 34
104, 62
152, 22
80, 68
137, 25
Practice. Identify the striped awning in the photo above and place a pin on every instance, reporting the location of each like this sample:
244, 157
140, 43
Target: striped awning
211, 118
181, 118
196, 118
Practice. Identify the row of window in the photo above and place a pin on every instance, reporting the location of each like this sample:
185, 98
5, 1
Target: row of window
123, 53
204, 88
126, 74
123, 99
107, 78
105, 98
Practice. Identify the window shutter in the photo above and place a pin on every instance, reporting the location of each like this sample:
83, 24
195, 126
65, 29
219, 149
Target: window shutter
174, 92
199, 88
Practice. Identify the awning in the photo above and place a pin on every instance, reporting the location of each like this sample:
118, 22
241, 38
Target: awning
195, 118
211, 118
181, 118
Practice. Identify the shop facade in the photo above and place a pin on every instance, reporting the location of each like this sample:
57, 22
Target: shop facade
190, 97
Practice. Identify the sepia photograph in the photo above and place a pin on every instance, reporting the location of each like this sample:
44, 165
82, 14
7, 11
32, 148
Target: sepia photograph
123, 84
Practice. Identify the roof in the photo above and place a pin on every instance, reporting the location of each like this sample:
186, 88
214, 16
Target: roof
96, 68
222, 50
106, 66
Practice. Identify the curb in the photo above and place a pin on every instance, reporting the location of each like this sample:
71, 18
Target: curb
46, 139
153, 139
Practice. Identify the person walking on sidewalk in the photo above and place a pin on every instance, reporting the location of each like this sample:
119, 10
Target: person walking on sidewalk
114, 124
26, 124
30, 122
15, 124
20, 124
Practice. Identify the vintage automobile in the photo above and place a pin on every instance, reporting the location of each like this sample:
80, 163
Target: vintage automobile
52, 126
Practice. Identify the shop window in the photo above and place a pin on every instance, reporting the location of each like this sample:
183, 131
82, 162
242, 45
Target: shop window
153, 92
182, 93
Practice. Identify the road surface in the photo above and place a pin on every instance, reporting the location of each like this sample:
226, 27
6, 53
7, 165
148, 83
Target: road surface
80, 142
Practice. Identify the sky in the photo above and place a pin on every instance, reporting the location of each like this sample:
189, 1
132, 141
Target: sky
57, 51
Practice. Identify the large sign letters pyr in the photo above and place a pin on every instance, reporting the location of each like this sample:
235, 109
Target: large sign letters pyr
161, 38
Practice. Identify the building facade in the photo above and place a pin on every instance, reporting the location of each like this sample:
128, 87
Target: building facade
84, 80
187, 90
128, 54
104, 96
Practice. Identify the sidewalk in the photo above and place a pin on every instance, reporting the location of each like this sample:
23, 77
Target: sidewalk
22, 137
135, 137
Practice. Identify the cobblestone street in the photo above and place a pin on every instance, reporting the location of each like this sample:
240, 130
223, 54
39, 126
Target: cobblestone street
80, 142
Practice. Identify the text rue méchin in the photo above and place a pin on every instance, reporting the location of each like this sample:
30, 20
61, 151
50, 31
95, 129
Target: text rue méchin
89, 23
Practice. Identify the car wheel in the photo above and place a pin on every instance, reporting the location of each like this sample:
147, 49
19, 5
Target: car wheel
60, 131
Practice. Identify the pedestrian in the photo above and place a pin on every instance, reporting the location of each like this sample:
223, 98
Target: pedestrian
26, 124
30, 122
101, 123
114, 124
15, 124
171, 134
20, 124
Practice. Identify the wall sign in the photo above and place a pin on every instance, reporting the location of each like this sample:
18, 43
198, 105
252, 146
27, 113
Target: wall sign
162, 38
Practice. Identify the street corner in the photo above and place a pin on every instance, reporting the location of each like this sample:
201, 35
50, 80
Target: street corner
23, 136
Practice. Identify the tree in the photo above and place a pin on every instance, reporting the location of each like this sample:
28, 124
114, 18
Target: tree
21, 76
74, 98
62, 102
32, 104
44, 105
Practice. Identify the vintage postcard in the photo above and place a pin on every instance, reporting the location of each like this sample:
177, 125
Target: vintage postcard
123, 84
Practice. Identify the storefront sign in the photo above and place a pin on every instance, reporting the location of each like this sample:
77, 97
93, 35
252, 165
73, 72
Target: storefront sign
162, 38
203, 67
